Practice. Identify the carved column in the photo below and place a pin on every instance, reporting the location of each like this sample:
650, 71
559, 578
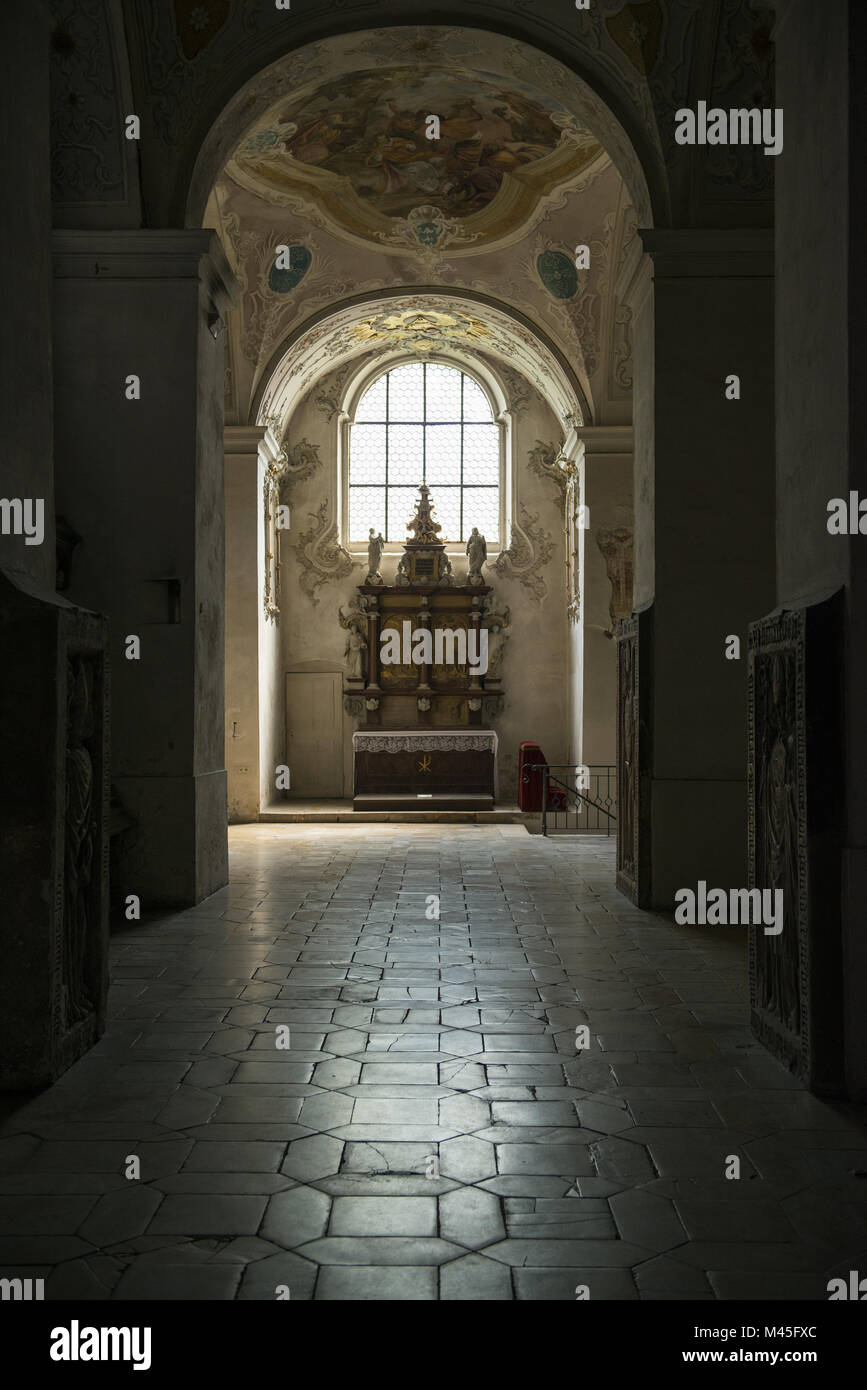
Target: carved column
423, 620
474, 627
373, 618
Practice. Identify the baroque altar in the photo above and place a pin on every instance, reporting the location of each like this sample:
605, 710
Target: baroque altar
423, 656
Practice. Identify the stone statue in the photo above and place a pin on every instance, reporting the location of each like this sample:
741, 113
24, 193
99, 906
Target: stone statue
375, 547
497, 625
356, 612
355, 645
477, 554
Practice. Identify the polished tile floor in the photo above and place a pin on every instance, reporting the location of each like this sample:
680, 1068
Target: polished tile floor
328, 1094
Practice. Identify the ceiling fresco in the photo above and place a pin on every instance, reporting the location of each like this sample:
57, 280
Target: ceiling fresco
358, 147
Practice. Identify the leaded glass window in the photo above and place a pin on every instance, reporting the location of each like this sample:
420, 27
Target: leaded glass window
424, 422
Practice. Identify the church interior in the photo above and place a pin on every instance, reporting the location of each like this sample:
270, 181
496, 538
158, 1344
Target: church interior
432, 759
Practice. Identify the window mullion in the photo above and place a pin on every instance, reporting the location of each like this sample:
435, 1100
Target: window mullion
461, 492
387, 431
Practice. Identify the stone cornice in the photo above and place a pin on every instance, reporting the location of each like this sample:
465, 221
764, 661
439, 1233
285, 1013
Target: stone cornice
606, 439
258, 441
243, 439
145, 255
742, 253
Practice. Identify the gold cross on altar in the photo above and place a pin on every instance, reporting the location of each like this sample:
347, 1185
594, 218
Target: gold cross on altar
424, 765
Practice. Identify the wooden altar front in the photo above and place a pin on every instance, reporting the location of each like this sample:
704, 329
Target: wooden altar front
424, 769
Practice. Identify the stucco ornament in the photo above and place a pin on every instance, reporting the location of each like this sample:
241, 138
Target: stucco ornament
302, 460
320, 556
547, 461
530, 549
426, 232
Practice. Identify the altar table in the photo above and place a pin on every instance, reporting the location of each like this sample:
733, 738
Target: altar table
425, 769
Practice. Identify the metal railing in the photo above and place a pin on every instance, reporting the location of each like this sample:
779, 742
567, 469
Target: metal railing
591, 808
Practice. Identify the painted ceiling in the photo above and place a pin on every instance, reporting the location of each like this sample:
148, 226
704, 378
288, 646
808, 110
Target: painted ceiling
359, 147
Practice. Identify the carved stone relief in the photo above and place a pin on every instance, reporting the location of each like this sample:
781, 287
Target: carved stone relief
795, 783
779, 983
530, 549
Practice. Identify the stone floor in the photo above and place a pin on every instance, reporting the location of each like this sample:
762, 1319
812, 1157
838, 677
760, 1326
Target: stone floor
414, 1040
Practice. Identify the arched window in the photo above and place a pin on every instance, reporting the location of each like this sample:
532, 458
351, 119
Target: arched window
424, 422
